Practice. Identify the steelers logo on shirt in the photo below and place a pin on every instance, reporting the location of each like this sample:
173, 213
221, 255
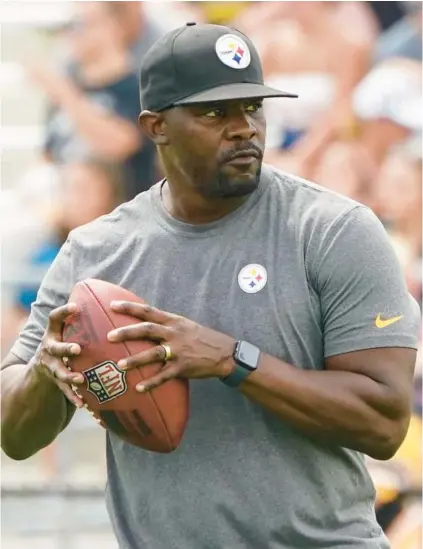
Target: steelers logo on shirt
252, 278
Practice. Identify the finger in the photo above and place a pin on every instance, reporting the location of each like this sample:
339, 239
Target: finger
70, 394
58, 370
155, 381
58, 316
141, 311
143, 330
151, 356
61, 350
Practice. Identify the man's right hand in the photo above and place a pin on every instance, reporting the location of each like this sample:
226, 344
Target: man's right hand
48, 360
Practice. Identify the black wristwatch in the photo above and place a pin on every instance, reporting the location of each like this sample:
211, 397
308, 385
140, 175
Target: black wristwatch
246, 357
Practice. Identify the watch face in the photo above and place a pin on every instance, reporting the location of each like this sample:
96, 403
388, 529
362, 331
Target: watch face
248, 355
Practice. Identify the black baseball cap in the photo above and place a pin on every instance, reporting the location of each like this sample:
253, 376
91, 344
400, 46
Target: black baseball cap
200, 64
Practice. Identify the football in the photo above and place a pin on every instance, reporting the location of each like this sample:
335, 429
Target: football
155, 420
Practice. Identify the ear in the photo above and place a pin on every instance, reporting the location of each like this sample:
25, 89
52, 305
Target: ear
154, 126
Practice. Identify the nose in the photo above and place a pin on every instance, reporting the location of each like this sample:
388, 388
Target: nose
240, 127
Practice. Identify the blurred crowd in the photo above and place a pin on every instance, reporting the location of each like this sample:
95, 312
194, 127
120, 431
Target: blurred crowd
356, 129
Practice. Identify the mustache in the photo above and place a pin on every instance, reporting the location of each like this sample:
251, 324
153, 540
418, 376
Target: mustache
245, 148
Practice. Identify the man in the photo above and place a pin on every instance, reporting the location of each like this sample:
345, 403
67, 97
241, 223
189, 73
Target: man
282, 302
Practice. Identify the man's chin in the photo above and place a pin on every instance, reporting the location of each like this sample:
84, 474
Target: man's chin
241, 183
239, 189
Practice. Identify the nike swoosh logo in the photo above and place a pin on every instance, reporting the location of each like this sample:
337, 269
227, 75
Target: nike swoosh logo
384, 323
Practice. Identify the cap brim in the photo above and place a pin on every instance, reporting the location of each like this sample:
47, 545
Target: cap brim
228, 92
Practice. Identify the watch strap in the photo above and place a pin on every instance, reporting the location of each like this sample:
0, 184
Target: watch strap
237, 376
243, 367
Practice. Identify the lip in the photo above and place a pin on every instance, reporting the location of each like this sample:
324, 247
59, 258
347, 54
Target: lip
244, 157
242, 161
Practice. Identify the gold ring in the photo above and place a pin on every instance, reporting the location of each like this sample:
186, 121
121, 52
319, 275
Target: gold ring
168, 352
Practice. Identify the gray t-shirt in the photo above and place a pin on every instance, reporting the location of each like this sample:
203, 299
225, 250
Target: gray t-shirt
242, 478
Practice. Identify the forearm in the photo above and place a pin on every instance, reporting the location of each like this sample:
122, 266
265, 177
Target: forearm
106, 134
34, 411
339, 408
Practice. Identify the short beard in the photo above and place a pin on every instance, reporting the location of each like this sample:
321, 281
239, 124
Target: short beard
230, 187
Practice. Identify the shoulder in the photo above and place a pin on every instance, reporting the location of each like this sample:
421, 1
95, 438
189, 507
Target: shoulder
323, 224
310, 206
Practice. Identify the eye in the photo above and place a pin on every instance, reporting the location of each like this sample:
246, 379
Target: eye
215, 113
253, 106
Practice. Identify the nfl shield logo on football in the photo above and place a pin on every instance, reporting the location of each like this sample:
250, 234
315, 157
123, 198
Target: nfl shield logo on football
105, 381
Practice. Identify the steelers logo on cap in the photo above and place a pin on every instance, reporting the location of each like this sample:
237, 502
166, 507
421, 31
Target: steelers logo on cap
233, 51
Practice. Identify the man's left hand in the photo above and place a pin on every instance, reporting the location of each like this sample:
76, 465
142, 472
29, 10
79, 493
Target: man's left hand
196, 351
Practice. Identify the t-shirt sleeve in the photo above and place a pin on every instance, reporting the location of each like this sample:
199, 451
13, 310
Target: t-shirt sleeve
53, 292
363, 295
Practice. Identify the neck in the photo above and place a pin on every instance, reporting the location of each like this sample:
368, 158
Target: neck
190, 207
110, 68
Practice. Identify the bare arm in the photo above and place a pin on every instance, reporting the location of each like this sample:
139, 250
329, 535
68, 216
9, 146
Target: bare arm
33, 411
36, 398
361, 401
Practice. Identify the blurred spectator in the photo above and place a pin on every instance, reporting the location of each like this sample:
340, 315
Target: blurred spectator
139, 30
385, 111
321, 50
342, 157
324, 51
398, 202
387, 107
404, 37
88, 190
307, 37
95, 106
399, 194
387, 13
398, 483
